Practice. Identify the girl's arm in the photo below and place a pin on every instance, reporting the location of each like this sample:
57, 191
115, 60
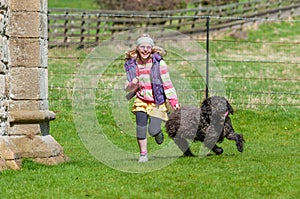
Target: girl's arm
169, 89
133, 84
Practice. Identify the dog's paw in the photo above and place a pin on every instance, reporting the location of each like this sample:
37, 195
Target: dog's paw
240, 142
188, 153
217, 150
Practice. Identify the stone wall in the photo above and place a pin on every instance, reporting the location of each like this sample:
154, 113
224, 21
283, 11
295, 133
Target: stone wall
24, 111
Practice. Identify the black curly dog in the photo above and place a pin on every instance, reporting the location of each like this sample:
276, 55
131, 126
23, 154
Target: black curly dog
208, 124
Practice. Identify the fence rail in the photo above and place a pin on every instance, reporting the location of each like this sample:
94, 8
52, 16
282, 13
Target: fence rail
257, 73
89, 27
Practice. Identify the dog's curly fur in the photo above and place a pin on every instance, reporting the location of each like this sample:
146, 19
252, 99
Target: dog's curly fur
208, 124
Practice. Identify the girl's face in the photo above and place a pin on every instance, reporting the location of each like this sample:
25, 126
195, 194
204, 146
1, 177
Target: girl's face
144, 50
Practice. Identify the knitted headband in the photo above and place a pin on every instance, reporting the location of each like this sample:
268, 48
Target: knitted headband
142, 40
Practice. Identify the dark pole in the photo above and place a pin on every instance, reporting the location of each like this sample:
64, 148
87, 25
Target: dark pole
207, 57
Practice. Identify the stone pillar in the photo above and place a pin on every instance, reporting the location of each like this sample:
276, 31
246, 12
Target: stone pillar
24, 111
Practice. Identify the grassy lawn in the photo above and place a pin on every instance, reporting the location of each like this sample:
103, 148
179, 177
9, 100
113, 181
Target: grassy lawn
77, 4
268, 168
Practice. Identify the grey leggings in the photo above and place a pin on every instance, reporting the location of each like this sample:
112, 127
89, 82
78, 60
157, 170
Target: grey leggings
141, 125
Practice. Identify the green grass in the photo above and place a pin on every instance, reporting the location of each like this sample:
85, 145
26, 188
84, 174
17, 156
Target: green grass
77, 4
268, 167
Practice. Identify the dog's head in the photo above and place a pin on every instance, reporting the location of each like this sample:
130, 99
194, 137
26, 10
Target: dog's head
216, 105
215, 110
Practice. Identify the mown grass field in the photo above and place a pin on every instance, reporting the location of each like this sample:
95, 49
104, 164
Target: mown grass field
268, 168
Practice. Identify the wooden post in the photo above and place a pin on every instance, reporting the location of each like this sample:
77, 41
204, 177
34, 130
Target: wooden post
66, 27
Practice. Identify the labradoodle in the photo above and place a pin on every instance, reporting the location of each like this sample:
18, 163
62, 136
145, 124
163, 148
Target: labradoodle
208, 124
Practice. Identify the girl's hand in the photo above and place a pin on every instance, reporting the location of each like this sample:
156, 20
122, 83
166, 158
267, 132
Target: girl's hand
133, 85
135, 80
177, 107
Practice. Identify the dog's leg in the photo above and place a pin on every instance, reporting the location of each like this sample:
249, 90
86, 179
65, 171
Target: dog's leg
239, 140
218, 150
231, 135
213, 133
183, 146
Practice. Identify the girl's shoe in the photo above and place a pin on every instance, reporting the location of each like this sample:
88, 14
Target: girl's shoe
159, 138
143, 158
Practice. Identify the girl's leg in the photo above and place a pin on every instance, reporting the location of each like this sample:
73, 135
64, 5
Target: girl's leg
141, 130
143, 150
155, 129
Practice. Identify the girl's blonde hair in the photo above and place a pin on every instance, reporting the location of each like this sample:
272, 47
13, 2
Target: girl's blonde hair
156, 49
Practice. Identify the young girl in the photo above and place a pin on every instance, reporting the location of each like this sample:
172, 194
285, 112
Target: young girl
149, 80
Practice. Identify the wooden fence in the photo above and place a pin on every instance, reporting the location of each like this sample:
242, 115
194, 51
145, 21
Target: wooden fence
90, 27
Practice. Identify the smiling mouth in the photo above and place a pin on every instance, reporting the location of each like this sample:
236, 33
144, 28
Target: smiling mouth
145, 54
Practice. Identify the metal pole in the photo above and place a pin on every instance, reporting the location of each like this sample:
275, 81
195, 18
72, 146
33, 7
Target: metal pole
207, 57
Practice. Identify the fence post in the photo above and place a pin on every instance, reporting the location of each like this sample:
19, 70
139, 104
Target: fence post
66, 27
207, 57
82, 29
98, 28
